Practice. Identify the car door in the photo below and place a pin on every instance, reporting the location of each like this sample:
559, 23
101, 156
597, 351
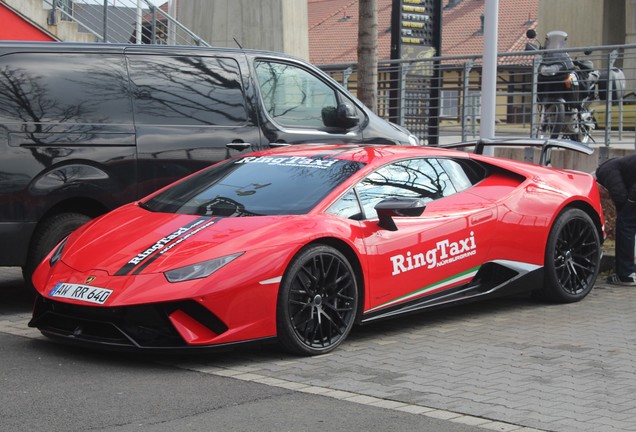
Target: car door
298, 106
187, 109
430, 255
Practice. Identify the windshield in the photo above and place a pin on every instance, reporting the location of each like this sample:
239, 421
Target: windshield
254, 186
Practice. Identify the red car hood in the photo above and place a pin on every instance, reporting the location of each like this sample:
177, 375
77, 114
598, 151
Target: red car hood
131, 240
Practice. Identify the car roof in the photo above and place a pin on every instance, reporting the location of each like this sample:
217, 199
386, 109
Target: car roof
366, 153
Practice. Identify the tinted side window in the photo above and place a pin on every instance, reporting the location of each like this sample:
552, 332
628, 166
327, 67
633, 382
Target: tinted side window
347, 206
456, 174
186, 90
413, 178
63, 87
292, 96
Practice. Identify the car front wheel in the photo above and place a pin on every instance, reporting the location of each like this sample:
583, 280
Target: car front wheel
317, 302
572, 257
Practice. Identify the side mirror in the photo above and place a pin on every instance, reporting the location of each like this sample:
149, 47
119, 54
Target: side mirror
531, 34
389, 208
343, 116
347, 115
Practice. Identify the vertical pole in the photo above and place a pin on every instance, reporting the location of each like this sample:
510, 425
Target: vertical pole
611, 58
345, 77
467, 67
402, 111
489, 76
437, 79
534, 125
105, 23
153, 38
172, 29
138, 26
52, 17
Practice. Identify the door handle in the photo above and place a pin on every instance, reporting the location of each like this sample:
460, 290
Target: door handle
240, 146
482, 217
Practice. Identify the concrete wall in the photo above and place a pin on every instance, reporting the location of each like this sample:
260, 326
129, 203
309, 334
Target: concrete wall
581, 19
64, 30
568, 159
275, 25
614, 18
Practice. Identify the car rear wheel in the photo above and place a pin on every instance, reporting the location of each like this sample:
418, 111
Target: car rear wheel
572, 257
317, 302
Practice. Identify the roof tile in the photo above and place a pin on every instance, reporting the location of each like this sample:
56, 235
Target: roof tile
333, 28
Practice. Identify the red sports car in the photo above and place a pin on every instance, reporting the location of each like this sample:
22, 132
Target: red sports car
302, 242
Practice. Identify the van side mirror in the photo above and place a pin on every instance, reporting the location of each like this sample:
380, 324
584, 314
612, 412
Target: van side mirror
343, 116
388, 208
347, 115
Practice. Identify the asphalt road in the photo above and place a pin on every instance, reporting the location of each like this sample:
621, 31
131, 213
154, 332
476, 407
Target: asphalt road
510, 365
51, 387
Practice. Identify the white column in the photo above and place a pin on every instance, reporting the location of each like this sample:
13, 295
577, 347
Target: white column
489, 74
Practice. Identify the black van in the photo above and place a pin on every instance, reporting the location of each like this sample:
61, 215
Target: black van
85, 128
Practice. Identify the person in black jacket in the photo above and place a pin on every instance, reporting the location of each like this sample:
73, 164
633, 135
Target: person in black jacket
618, 176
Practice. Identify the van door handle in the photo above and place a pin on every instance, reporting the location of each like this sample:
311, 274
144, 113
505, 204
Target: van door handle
240, 146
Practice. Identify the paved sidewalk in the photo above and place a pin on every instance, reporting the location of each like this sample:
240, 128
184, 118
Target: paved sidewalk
508, 365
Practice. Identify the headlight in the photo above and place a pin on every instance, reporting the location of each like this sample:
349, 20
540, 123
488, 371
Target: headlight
413, 140
58, 253
550, 70
199, 270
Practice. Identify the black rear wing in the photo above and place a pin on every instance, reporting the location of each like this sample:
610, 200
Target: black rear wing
546, 145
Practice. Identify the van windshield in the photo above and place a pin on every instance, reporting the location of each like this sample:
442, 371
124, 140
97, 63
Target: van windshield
254, 186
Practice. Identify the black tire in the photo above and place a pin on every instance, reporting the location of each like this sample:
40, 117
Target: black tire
554, 119
48, 234
572, 258
317, 301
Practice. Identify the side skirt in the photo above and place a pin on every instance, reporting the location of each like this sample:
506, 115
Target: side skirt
496, 278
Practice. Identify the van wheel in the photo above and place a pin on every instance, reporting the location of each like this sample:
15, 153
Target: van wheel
48, 234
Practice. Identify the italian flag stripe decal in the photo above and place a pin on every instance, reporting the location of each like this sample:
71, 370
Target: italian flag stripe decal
457, 279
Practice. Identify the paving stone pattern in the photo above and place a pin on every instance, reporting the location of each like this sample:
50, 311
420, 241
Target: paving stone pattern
508, 364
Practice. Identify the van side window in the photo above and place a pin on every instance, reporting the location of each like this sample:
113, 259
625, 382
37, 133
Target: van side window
292, 96
187, 90
69, 88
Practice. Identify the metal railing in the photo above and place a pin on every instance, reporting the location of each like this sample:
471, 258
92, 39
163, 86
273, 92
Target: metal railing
407, 89
123, 21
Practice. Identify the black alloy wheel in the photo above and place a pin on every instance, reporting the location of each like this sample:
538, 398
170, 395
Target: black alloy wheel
317, 302
572, 257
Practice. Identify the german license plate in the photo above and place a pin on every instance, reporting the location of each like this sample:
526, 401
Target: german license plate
83, 293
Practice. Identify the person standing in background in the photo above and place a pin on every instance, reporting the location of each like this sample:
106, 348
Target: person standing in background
618, 176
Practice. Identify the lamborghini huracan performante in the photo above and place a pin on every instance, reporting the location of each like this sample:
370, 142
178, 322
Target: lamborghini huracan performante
300, 243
